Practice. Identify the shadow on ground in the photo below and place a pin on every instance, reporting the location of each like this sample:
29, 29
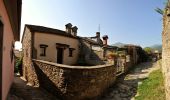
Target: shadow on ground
21, 91
125, 87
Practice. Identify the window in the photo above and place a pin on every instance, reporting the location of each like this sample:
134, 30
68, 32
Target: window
12, 52
71, 52
43, 49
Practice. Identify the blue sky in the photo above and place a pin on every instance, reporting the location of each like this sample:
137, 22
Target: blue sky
126, 21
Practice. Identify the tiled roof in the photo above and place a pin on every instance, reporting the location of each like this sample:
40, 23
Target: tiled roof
90, 41
42, 29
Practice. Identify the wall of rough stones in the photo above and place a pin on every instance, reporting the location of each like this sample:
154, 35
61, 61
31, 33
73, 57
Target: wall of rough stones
166, 52
89, 56
74, 82
28, 69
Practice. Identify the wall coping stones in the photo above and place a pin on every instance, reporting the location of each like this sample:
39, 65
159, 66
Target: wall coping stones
74, 67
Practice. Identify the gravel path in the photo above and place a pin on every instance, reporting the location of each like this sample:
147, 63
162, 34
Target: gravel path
126, 85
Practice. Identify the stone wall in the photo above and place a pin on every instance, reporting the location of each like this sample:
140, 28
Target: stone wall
88, 56
74, 82
28, 69
166, 52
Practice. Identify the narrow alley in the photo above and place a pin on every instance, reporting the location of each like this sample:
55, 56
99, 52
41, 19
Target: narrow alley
124, 89
126, 85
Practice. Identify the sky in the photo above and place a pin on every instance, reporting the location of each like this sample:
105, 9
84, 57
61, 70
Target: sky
125, 21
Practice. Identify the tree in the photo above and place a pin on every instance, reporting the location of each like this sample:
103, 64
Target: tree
161, 11
148, 50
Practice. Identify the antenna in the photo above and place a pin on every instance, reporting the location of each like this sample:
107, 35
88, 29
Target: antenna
99, 28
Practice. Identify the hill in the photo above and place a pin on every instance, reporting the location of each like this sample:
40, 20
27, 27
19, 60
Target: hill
118, 44
157, 47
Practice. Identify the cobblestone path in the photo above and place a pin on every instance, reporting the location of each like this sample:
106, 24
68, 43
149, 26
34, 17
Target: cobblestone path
126, 85
22, 91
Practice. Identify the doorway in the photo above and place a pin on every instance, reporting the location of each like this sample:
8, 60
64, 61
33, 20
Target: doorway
60, 55
1, 55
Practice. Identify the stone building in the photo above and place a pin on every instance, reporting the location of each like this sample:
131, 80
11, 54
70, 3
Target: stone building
43, 49
62, 47
91, 50
132, 51
70, 66
51, 45
59, 46
10, 17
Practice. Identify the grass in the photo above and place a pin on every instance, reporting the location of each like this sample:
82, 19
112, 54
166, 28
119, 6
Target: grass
152, 88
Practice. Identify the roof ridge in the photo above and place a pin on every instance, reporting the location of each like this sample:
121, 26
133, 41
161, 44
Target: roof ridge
31, 25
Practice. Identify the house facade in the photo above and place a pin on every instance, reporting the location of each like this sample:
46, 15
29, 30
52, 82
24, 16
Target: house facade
10, 17
49, 44
58, 46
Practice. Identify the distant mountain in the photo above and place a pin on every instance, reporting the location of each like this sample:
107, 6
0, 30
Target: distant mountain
118, 44
156, 47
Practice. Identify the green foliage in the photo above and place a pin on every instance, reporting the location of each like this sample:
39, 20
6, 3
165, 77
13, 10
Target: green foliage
160, 11
148, 50
152, 88
18, 63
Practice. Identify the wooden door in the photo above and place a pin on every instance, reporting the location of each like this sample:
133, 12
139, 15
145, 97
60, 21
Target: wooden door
60, 55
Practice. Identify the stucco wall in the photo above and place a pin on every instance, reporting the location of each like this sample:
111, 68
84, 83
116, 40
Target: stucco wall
74, 82
51, 51
7, 64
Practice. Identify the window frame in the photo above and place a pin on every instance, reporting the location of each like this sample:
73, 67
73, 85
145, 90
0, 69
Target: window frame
71, 52
43, 48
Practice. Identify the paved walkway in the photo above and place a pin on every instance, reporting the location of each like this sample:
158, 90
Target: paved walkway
126, 86
22, 91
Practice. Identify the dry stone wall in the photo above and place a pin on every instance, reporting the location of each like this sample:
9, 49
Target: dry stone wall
28, 69
74, 82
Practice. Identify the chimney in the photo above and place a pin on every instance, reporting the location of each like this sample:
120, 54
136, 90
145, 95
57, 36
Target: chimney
68, 28
74, 31
105, 38
98, 36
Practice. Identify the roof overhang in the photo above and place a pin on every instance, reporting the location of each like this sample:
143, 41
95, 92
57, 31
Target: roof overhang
13, 8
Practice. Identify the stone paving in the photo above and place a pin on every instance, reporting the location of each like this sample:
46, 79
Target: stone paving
126, 85
22, 91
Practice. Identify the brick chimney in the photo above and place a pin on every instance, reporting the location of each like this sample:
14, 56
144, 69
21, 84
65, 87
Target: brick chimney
74, 31
68, 28
105, 38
